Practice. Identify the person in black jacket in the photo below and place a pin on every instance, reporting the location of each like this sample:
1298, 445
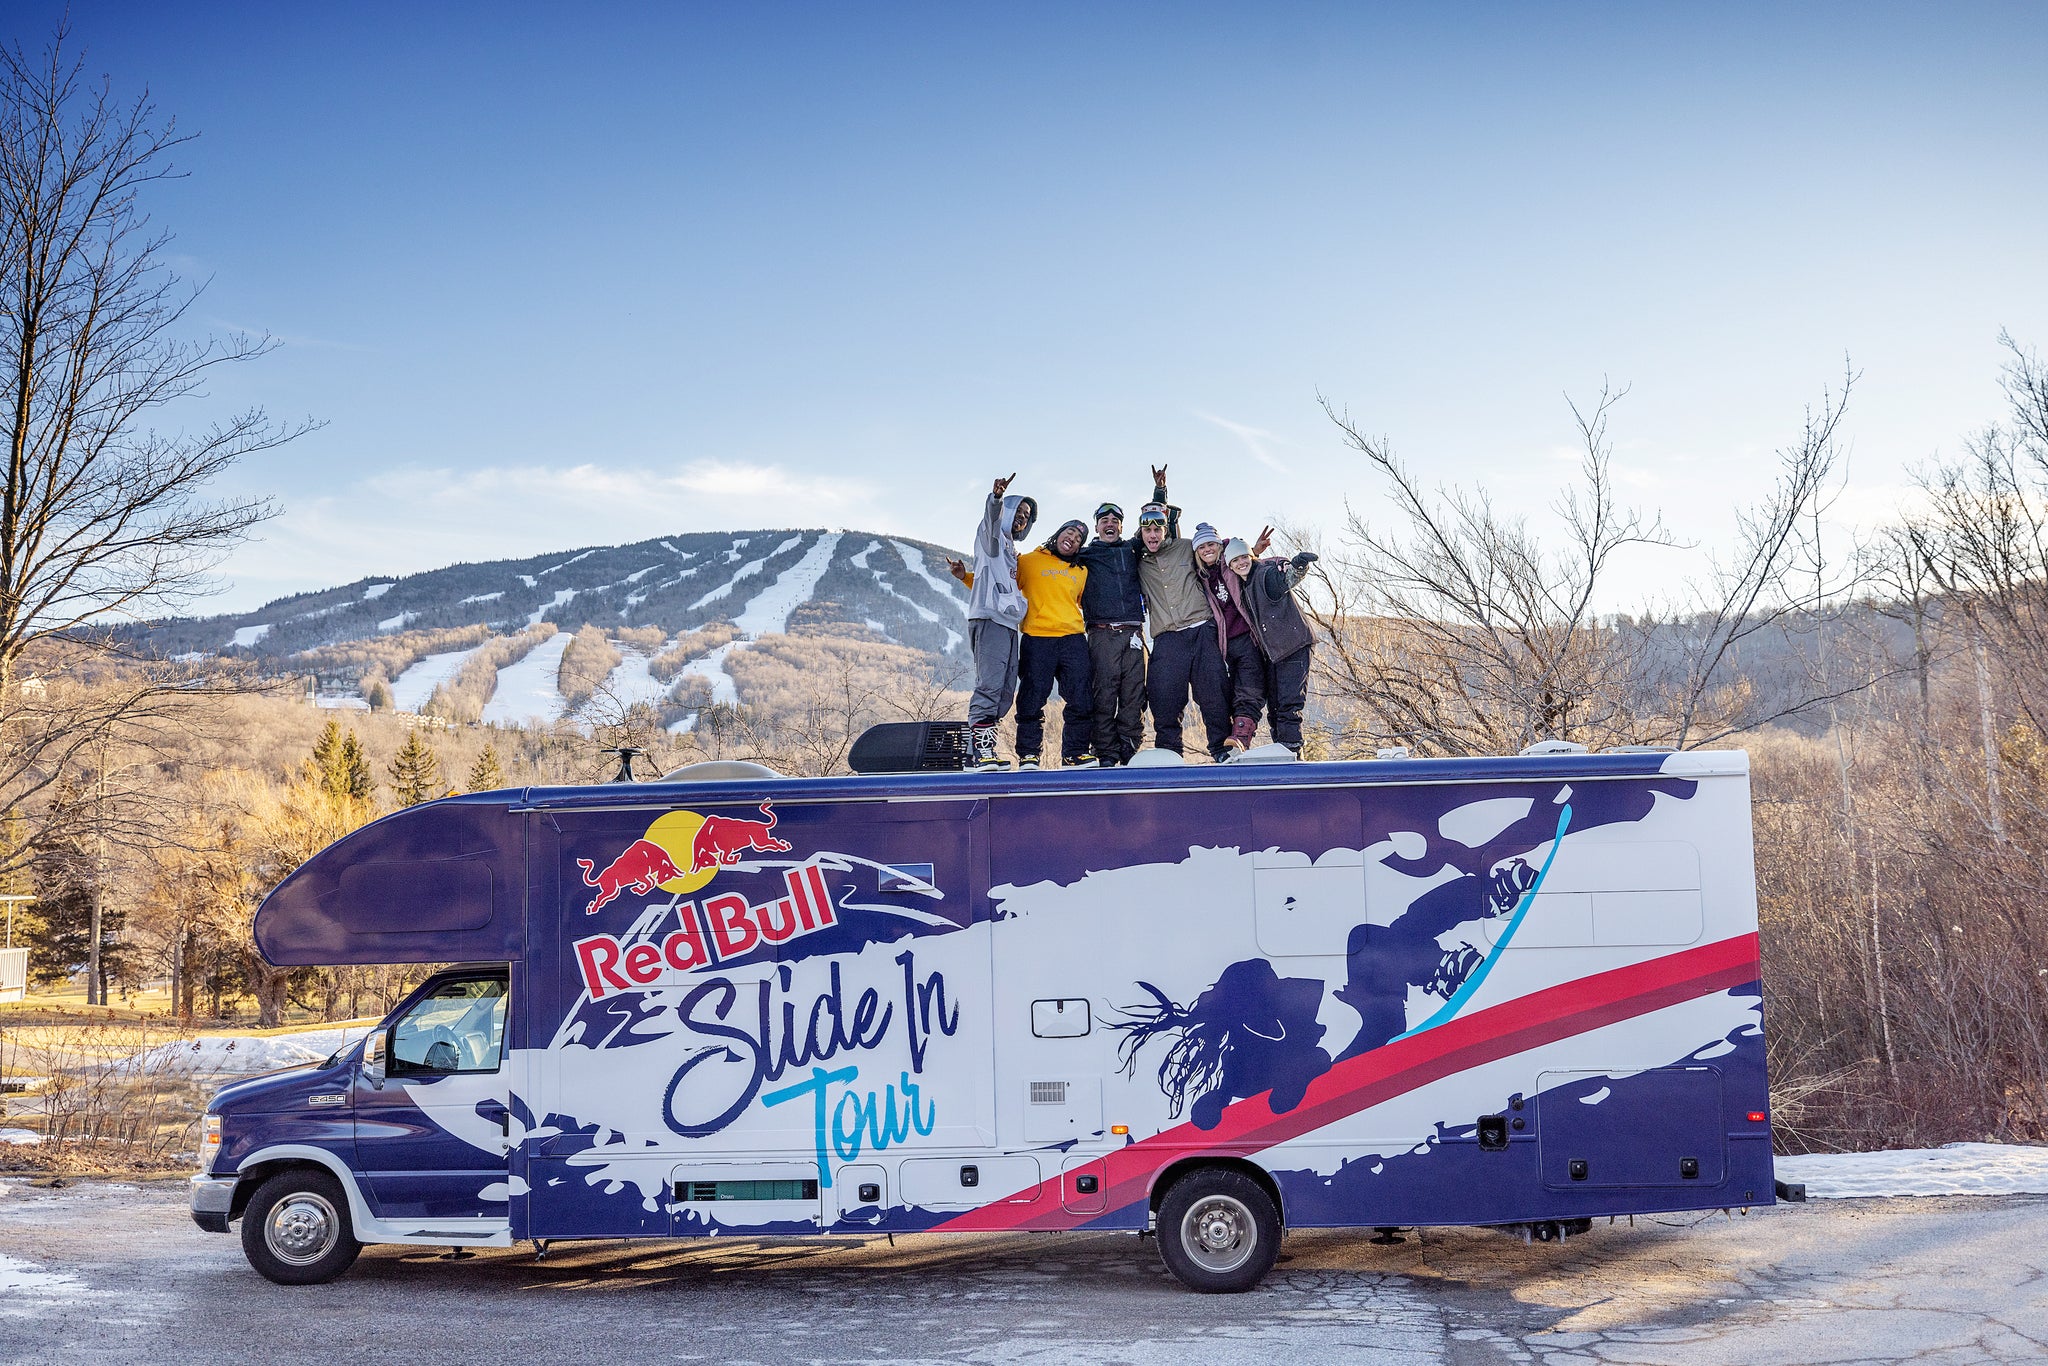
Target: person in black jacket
1113, 608
1262, 591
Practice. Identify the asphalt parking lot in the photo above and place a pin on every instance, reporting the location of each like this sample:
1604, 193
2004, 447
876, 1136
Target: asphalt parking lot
115, 1272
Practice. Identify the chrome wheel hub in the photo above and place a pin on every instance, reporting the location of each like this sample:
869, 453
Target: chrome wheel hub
1219, 1233
302, 1228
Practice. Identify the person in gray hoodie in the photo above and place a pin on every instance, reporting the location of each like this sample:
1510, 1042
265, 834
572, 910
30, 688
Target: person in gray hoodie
1185, 659
995, 614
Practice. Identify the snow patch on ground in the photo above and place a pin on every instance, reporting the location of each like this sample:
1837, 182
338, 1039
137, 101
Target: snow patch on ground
485, 597
249, 635
562, 595
28, 1279
378, 590
528, 691
529, 580
738, 545
215, 1054
394, 623
20, 1137
1953, 1169
411, 689
768, 613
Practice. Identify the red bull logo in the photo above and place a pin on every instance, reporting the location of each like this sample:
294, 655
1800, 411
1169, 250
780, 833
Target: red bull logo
721, 840
723, 927
644, 866
680, 853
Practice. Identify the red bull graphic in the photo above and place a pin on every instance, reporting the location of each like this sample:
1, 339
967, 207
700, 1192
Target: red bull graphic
721, 840
724, 927
644, 866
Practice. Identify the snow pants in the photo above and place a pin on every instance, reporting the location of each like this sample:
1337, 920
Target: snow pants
1187, 662
1116, 655
994, 646
1045, 661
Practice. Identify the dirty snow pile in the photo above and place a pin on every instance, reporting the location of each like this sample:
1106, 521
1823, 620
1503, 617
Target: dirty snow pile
215, 1054
1953, 1169
22, 1137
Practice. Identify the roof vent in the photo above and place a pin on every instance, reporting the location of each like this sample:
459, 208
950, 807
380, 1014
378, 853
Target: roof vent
1555, 747
1156, 757
1640, 749
719, 771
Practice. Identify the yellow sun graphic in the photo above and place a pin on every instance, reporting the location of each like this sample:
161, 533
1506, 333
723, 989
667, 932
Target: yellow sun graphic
677, 833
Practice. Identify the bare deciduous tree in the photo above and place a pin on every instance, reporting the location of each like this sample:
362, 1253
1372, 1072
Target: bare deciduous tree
1463, 632
104, 518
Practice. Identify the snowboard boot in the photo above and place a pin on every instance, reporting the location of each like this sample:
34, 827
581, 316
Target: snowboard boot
1085, 759
985, 760
1025, 761
1242, 729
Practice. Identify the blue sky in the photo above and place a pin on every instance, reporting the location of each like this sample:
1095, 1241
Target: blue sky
555, 276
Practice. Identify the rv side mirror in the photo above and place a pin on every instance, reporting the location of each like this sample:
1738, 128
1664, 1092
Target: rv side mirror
373, 1058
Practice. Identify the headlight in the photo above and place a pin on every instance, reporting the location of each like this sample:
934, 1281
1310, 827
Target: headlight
209, 1141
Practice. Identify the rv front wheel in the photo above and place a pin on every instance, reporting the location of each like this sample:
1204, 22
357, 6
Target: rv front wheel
296, 1230
1218, 1231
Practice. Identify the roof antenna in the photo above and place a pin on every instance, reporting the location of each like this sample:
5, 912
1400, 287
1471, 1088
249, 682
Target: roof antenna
627, 754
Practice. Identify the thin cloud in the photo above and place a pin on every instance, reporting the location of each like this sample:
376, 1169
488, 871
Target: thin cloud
1255, 440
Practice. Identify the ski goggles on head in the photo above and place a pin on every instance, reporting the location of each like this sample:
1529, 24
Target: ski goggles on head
1152, 514
1109, 510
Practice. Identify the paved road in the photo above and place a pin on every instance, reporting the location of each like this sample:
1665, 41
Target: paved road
109, 1272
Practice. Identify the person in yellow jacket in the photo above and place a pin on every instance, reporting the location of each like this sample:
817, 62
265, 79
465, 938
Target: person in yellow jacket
1054, 651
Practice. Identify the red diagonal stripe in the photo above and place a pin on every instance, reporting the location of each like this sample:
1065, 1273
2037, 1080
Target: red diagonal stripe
1396, 1068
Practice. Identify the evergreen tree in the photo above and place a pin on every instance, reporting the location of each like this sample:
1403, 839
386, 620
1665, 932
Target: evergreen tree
339, 767
415, 772
485, 775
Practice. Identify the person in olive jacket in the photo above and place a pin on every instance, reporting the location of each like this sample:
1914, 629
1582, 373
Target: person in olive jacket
1261, 594
1185, 660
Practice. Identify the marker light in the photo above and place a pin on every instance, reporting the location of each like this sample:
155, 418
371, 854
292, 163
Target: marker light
209, 1142
1756, 1116
1119, 1129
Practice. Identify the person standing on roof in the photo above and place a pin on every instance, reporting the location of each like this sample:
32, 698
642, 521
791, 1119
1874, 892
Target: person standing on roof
1185, 660
1113, 609
1054, 649
1241, 659
1262, 591
995, 611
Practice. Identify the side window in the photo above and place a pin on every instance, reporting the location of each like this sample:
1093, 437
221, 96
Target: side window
458, 1027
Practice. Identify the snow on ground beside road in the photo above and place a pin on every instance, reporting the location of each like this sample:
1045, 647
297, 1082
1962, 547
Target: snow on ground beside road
527, 690
20, 1137
1953, 1169
411, 689
768, 613
249, 635
215, 1053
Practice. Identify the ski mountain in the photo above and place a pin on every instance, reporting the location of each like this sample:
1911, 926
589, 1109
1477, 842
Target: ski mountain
726, 590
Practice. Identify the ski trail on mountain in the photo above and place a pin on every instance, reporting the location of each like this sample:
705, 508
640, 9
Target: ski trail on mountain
411, 689
530, 690
768, 612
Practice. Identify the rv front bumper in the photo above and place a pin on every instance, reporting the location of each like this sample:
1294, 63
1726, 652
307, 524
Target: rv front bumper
212, 1198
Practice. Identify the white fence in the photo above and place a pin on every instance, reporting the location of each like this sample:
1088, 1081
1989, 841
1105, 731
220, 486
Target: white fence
13, 974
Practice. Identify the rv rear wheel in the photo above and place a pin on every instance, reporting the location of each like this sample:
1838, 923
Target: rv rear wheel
1218, 1231
297, 1231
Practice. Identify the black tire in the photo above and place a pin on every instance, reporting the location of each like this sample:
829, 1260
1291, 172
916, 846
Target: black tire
297, 1230
1219, 1232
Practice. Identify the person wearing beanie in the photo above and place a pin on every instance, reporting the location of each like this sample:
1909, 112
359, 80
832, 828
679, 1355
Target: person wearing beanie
1244, 668
1053, 650
1185, 660
1262, 591
995, 611
1113, 608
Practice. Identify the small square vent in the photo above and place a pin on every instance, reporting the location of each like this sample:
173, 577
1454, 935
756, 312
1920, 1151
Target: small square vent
1048, 1093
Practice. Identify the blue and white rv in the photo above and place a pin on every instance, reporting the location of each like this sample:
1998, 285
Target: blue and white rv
1211, 1002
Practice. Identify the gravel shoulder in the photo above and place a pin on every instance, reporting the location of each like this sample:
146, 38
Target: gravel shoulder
115, 1271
